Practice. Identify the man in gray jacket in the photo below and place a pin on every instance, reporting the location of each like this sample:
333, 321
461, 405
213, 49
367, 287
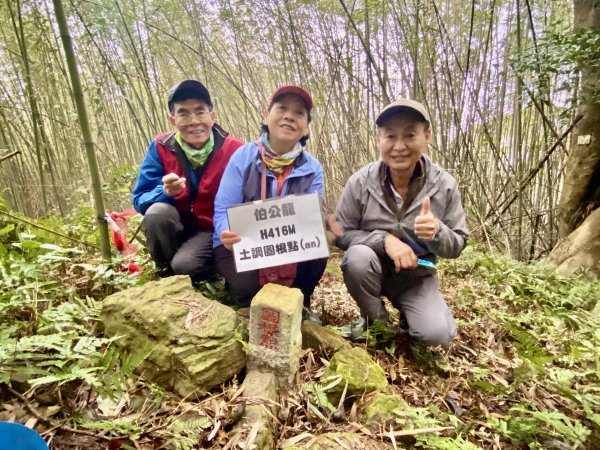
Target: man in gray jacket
398, 215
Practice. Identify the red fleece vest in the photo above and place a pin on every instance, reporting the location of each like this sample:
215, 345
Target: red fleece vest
200, 214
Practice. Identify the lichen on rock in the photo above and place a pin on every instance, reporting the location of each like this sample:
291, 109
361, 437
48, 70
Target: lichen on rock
356, 368
193, 340
381, 408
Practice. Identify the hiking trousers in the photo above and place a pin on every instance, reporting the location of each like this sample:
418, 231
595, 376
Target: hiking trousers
414, 292
172, 246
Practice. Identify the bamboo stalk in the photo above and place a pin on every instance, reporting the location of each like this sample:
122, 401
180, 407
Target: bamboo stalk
85, 128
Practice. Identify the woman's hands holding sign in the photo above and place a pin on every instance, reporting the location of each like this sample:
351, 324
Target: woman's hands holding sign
228, 238
332, 231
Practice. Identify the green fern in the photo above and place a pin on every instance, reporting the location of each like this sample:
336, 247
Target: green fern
181, 425
183, 433
445, 443
410, 418
118, 367
524, 426
319, 396
116, 426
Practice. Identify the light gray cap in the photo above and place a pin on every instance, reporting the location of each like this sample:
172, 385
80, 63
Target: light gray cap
400, 105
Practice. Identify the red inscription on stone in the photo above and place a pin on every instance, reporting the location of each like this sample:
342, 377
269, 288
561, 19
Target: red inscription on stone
269, 326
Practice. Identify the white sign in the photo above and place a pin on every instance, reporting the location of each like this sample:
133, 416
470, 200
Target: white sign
584, 139
278, 231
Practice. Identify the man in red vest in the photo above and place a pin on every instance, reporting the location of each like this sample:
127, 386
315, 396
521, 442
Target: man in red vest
177, 183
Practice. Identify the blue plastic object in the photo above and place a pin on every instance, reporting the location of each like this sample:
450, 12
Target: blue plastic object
14, 436
425, 263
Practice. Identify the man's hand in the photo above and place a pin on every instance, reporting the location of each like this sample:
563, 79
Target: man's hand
333, 230
228, 238
400, 253
173, 185
426, 224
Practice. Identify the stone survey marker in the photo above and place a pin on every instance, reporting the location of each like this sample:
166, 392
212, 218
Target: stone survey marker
275, 337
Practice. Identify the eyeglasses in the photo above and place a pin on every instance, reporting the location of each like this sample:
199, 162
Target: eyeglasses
188, 116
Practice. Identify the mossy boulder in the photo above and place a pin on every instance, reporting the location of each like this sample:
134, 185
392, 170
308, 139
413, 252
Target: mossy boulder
335, 441
356, 368
192, 341
320, 338
381, 408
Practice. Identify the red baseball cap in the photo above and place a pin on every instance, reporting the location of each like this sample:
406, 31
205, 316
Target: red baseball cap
295, 90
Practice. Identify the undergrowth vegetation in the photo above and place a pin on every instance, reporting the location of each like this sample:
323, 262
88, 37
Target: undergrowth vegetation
524, 371
531, 339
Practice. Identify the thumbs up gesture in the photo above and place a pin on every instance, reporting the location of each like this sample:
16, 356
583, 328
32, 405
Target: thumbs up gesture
426, 224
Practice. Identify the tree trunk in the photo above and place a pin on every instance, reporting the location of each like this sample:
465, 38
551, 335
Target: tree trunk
580, 249
581, 190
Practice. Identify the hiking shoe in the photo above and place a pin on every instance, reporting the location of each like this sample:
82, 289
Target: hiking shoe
309, 314
354, 331
164, 272
403, 325
357, 330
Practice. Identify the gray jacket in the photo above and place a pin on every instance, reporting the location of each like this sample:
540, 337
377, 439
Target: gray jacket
366, 218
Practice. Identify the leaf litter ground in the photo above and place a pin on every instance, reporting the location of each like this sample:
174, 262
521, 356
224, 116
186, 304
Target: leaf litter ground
522, 372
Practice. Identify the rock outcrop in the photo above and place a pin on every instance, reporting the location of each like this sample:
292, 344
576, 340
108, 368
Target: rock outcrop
193, 342
356, 368
336, 441
320, 338
381, 408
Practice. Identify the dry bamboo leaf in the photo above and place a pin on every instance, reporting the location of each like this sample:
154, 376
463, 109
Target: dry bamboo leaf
417, 431
248, 444
353, 412
362, 429
294, 440
337, 379
216, 427
311, 442
367, 371
499, 379
233, 441
484, 409
392, 437
341, 443
343, 397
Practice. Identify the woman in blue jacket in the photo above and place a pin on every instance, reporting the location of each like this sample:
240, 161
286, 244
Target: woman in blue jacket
289, 170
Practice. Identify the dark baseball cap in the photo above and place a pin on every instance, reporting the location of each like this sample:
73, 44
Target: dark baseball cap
185, 90
402, 105
295, 90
